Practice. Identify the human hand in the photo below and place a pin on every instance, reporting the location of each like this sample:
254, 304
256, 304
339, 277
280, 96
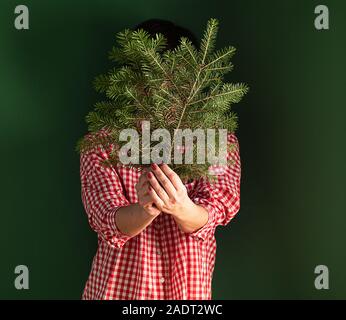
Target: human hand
168, 191
145, 200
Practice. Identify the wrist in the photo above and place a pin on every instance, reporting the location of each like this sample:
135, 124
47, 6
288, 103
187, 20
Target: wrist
187, 207
147, 212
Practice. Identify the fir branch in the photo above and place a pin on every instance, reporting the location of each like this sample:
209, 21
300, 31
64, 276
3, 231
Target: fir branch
235, 93
207, 43
180, 88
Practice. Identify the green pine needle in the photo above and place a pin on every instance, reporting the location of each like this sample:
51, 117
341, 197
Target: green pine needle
173, 89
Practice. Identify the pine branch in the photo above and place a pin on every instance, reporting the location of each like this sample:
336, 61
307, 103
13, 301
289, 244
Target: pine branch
180, 88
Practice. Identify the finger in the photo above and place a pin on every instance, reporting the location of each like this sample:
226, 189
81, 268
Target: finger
163, 179
154, 196
145, 200
157, 187
172, 176
145, 169
142, 179
143, 190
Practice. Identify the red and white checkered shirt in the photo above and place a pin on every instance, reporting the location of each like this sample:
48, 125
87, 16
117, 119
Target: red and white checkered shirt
162, 262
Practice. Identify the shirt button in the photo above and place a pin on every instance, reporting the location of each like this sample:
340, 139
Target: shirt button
162, 280
158, 252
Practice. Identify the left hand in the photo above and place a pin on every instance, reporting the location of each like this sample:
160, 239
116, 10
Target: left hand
168, 191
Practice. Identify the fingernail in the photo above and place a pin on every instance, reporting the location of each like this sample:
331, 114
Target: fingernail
154, 165
149, 175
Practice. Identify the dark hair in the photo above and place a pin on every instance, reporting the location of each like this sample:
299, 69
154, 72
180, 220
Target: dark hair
170, 30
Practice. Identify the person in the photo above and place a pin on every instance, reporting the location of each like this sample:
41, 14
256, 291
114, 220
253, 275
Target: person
156, 234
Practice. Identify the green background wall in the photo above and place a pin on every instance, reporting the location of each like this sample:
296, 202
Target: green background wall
292, 140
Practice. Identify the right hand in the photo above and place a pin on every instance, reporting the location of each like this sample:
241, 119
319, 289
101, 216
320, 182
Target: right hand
145, 200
